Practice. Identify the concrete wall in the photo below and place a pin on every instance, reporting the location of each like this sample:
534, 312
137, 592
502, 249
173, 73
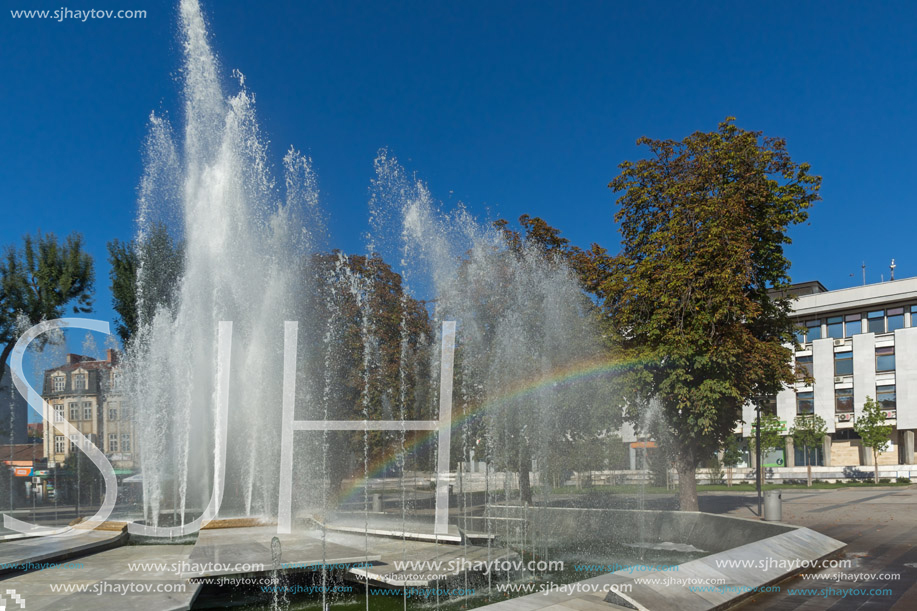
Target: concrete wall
906, 377
864, 370
707, 532
823, 372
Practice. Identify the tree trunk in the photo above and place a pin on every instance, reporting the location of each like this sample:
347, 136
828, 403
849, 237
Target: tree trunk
687, 483
729, 476
875, 462
808, 468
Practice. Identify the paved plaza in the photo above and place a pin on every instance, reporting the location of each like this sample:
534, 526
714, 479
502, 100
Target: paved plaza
878, 524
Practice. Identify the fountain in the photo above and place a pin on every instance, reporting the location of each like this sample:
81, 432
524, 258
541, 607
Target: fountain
321, 337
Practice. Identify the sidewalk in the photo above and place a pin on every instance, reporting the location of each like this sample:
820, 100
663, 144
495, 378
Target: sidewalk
878, 524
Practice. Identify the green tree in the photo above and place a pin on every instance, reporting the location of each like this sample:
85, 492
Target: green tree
874, 433
518, 426
38, 282
809, 432
691, 296
154, 263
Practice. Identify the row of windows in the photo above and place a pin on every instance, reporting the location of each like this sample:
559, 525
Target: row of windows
839, 327
843, 363
84, 411
843, 400
60, 443
80, 381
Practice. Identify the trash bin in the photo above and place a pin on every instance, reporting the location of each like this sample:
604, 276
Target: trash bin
773, 507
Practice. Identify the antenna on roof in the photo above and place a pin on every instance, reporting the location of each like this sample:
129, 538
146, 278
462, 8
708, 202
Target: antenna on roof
864, 273
893, 269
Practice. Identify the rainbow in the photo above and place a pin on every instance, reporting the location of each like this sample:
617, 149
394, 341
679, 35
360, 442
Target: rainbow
566, 376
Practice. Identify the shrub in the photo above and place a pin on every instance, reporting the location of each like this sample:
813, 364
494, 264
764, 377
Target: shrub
903, 480
885, 480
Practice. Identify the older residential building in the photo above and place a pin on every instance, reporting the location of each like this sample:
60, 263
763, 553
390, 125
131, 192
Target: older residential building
87, 394
854, 343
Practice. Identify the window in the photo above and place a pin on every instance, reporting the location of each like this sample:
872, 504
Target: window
79, 381
74, 442
800, 333
87, 410
125, 412
843, 400
112, 412
113, 442
59, 444
895, 317
58, 413
813, 330
885, 359
803, 367
814, 456
836, 327
74, 411
914, 315
887, 397
846, 434
875, 322
125, 442
58, 383
854, 324
843, 363
115, 380
805, 403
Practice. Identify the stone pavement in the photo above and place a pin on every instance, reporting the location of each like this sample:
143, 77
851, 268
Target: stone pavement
878, 524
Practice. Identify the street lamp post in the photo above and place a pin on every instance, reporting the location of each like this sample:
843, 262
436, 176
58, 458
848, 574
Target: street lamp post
758, 456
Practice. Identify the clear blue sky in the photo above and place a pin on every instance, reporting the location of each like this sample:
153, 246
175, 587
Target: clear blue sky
510, 107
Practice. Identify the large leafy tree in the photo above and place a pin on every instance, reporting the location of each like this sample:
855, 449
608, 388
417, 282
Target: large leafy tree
374, 357
506, 293
40, 281
703, 223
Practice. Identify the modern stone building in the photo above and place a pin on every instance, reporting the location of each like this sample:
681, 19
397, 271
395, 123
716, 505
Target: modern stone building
853, 343
88, 394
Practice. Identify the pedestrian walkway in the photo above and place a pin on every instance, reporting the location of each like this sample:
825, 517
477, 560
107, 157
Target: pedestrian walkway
878, 524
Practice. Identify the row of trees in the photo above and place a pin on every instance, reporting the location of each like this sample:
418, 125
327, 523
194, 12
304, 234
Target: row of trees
808, 432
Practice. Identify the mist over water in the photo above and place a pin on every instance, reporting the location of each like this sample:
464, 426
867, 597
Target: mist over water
249, 255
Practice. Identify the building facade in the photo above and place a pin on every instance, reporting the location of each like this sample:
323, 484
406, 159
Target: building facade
853, 344
87, 393
14, 413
